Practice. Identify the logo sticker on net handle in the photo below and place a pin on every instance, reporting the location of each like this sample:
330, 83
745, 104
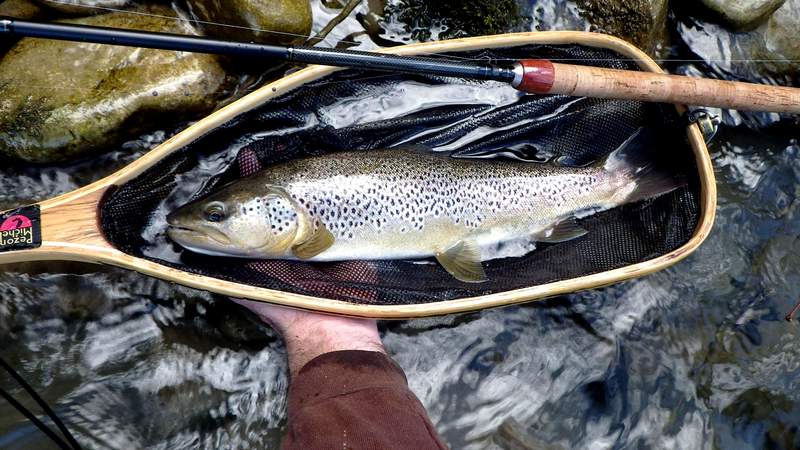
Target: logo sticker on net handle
20, 229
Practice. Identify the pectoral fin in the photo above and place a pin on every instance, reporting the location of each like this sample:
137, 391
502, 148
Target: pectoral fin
561, 232
320, 241
463, 261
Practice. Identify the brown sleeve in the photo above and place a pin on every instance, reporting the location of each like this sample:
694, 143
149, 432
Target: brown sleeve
356, 399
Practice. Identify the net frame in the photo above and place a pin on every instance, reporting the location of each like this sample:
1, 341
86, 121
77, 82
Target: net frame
71, 231
577, 132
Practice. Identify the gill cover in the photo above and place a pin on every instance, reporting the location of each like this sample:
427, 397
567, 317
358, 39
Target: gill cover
293, 228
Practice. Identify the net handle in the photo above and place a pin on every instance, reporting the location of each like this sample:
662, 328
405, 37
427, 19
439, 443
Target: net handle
63, 228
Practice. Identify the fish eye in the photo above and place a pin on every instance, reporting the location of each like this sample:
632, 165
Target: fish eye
214, 212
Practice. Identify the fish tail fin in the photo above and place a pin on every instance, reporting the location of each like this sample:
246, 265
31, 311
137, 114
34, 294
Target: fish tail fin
639, 175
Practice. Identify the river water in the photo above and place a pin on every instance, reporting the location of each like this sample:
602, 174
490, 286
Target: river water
695, 356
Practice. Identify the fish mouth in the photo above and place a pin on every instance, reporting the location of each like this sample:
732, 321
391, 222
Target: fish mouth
185, 235
177, 233
179, 228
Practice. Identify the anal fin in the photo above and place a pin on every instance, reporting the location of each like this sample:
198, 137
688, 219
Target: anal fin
463, 261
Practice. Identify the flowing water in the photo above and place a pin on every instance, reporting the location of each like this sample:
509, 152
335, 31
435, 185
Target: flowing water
696, 356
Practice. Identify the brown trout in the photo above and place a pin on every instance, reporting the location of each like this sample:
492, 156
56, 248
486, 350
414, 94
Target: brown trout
408, 204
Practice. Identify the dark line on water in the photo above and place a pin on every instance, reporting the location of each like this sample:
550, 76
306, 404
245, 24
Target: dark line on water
50, 413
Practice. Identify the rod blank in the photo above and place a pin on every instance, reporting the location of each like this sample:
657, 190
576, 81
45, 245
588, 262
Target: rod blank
132, 38
307, 55
534, 76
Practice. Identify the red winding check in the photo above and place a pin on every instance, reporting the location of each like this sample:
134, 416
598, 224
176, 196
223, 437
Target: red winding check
538, 76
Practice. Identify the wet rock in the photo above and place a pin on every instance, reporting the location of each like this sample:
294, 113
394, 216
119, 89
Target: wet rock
742, 14
426, 20
780, 36
84, 7
277, 21
770, 50
62, 100
642, 22
20, 9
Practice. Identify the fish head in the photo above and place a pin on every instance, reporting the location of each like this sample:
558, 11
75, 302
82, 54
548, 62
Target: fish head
235, 222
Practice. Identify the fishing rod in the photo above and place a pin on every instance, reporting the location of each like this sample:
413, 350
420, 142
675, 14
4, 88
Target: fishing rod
537, 76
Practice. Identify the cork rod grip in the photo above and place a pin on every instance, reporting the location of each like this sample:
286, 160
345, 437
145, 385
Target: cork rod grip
545, 77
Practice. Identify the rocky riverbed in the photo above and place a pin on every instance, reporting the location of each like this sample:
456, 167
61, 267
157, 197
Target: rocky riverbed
696, 356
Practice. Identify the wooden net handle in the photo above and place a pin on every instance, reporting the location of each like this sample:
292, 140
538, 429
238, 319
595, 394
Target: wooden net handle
544, 77
69, 228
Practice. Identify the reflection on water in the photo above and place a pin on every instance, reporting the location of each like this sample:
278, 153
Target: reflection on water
696, 356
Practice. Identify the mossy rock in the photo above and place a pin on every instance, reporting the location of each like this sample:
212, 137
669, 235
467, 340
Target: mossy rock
455, 18
642, 22
63, 100
20, 9
270, 21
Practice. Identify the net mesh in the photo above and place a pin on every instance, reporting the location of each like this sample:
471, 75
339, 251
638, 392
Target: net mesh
365, 110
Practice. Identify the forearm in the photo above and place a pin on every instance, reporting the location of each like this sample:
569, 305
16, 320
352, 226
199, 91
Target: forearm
308, 335
303, 344
345, 392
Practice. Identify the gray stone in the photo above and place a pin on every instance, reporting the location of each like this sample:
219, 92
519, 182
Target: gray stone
278, 21
63, 100
772, 49
781, 34
743, 15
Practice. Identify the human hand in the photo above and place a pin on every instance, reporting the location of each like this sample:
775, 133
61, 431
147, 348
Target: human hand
309, 334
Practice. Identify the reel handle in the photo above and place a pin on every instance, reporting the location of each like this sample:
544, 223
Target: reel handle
541, 76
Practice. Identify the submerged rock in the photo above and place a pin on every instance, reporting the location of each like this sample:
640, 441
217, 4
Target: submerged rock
278, 21
84, 7
62, 100
742, 14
